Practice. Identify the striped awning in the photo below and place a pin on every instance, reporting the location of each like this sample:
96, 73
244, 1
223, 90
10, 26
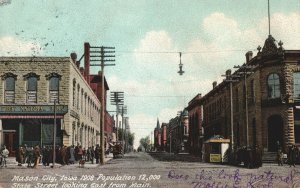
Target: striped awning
30, 117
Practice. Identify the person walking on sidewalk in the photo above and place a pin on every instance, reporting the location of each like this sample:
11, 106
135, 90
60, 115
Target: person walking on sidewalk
4, 154
37, 155
72, 155
293, 155
280, 158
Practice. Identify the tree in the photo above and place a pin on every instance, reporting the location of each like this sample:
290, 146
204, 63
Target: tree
145, 142
130, 139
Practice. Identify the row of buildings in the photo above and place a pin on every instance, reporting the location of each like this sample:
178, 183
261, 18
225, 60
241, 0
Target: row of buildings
258, 104
32, 86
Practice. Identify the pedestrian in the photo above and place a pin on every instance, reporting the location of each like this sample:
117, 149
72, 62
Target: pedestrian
97, 153
29, 156
63, 155
4, 154
45, 155
280, 158
20, 156
293, 155
88, 154
72, 155
80, 153
76, 152
25, 153
37, 155
84, 154
92, 155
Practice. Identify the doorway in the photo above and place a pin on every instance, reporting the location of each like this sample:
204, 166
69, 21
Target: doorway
275, 132
9, 141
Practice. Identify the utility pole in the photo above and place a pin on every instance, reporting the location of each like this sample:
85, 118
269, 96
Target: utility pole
244, 71
230, 79
54, 134
123, 111
117, 98
102, 54
151, 140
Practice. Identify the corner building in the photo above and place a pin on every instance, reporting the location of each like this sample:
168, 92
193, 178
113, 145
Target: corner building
272, 95
30, 86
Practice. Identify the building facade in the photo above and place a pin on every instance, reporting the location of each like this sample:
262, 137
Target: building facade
195, 124
178, 133
163, 139
30, 88
265, 101
157, 137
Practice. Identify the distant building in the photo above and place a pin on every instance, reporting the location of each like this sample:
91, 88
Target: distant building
157, 137
196, 133
178, 133
163, 131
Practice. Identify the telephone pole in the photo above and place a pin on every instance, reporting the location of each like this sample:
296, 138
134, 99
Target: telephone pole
244, 71
123, 111
231, 78
117, 98
103, 54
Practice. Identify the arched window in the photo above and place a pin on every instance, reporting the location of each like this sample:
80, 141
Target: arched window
9, 93
296, 76
32, 79
74, 92
273, 86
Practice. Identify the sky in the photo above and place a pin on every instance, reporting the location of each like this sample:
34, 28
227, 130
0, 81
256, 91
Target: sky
212, 35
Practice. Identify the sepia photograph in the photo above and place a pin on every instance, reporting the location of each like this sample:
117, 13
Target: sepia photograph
149, 94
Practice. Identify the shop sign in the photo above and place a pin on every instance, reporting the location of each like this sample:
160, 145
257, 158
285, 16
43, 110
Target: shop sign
33, 109
215, 158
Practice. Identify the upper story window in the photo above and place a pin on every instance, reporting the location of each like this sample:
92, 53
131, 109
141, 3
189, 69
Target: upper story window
273, 86
74, 92
186, 130
296, 76
252, 91
32, 79
54, 79
9, 87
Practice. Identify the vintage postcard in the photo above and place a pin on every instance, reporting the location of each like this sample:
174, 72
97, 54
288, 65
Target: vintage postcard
149, 93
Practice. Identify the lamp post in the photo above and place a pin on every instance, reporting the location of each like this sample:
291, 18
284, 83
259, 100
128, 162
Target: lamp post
54, 134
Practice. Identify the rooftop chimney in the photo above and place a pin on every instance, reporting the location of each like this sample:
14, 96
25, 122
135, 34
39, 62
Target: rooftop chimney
249, 56
87, 62
73, 57
214, 84
82, 71
228, 74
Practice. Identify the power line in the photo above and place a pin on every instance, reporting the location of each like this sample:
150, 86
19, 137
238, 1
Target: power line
183, 52
158, 96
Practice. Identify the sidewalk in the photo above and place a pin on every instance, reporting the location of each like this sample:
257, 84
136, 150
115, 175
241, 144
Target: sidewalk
12, 164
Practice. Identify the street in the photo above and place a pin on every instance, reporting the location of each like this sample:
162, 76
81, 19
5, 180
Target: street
142, 170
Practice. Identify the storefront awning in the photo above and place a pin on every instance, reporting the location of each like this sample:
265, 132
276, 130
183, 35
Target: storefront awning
30, 117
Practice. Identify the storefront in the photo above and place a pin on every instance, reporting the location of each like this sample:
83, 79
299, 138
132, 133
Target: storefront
31, 125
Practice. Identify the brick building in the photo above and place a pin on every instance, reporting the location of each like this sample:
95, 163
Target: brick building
29, 87
178, 133
109, 122
265, 103
195, 124
157, 136
163, 131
